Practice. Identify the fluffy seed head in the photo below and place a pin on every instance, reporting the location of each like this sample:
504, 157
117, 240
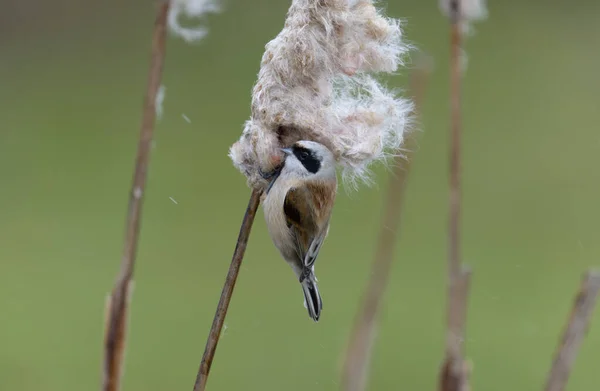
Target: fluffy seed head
316, 83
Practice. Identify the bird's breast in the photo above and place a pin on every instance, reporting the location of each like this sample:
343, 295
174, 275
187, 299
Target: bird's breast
275, 218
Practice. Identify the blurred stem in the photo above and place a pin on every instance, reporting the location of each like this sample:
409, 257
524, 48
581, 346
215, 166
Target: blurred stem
575, 330
117, 306
455, 373
226, 294
455, 370
455, 140
360, 345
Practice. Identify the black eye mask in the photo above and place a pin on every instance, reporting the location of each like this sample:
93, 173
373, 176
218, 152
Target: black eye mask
307, 158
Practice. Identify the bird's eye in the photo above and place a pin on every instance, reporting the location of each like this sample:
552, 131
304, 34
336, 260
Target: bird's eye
310, 162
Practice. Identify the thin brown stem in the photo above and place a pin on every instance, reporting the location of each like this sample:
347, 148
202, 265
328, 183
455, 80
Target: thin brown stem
455, 140
575, 330
455, 370
221, 313
117, 306
354, 375
458, 317
454, 374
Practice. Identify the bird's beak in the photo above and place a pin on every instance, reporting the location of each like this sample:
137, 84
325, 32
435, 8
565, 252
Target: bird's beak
287, 151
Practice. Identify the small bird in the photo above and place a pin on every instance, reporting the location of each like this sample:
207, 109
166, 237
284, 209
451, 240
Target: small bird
297, 206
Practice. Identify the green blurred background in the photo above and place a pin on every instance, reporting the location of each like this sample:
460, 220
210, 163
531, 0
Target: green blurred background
73, 77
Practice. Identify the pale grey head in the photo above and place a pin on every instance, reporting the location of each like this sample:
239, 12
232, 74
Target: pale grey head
310, 160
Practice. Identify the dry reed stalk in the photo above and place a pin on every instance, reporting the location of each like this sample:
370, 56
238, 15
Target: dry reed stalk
454, 374
117, 304
226, 294
575, 330
455, 370
455, 139
360, 345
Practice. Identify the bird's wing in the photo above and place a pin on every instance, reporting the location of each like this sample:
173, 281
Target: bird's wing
315, 247
300, 220
322, 196
307, 210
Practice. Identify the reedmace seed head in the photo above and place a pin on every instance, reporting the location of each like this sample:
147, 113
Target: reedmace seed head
316, 82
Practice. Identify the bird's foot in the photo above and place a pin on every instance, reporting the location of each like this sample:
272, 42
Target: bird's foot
269, 175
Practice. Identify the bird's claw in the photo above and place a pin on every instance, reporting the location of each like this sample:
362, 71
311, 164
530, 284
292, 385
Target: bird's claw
268, 175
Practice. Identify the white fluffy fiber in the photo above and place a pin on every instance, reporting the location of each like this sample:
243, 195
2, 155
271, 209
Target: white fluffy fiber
193, 9
470, 11
316, 82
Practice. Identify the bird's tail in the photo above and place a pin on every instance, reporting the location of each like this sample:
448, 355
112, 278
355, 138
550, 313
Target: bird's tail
312, 298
